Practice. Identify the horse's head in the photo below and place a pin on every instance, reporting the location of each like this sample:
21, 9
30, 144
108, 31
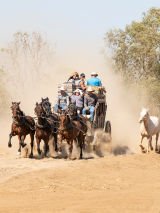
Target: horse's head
144, 115
39, 111
64, 120
16, 109
72, 110
46, 106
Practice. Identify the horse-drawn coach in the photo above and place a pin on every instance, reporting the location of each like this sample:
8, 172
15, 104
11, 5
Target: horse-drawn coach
100, 121
67, 121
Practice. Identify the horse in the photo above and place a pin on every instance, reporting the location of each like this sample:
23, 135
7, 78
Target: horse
45, 128
46, 106
71, 130
52, 118
150, 125
21, 126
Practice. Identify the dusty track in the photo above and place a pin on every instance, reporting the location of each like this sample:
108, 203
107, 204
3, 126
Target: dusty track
126, 183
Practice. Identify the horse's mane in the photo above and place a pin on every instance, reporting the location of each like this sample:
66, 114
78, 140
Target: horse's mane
144, 111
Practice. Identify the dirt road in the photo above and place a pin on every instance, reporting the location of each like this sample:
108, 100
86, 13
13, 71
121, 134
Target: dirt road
124, 183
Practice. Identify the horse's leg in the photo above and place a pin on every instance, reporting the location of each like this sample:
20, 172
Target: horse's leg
55, 141
22, 141
81, 144
81, 150
9, 142
46, 147
150, 143
70, 143
142, 147
19, 150
60, 143
156, 148
38, 141
32, 144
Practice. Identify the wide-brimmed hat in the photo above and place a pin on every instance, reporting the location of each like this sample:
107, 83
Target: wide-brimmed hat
77, 90
90, 89
62, 88
94, 73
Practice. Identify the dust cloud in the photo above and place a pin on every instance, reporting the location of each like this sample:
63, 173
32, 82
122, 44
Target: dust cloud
123, 103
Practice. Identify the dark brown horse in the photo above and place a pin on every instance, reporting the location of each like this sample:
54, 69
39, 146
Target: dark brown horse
72, 130
22, 125
52, 118
45, 128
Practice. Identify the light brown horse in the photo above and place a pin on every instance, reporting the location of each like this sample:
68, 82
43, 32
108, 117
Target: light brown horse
71, 130
45, 129
22, 125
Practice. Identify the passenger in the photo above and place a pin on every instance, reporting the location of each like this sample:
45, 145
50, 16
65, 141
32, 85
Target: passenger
82, 83
78, 100
94, 81
74, 77
90, 100
63, 100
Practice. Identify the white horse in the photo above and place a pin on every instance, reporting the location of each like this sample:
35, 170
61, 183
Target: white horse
150, 125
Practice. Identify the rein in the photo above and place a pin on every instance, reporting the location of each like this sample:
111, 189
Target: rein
19, 123
46, 124
72, 125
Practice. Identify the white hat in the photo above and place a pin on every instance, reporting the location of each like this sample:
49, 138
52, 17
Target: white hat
62, 88
94, 73
90, 89
77, 90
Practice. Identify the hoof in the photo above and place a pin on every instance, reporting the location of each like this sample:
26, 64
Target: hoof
31, 156
156, 150
18, 153
39, 152
152, 148
72, 158
142, 149
23, 145
9, 145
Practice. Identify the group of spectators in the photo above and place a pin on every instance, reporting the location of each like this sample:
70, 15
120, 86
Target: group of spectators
83, 97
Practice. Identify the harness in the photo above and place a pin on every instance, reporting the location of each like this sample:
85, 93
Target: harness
54, 128
71, 125
23, 122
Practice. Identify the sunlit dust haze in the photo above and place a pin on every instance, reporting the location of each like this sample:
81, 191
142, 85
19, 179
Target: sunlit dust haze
122, 108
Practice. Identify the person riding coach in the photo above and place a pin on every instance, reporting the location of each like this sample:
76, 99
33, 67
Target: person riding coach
94, 80
90, 101
63, 100
78, 100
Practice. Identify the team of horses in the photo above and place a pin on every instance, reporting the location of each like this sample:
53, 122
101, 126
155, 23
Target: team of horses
66, 125
49, 127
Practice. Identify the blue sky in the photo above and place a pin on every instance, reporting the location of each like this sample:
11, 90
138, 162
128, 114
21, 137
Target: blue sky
73, 25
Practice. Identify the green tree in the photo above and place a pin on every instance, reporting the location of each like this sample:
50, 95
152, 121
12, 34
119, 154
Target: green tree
136, 49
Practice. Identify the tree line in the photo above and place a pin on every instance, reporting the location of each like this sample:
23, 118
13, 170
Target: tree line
24, 61
136, 52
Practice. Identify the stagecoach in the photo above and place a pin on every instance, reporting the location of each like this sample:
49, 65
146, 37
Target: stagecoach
100, 121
